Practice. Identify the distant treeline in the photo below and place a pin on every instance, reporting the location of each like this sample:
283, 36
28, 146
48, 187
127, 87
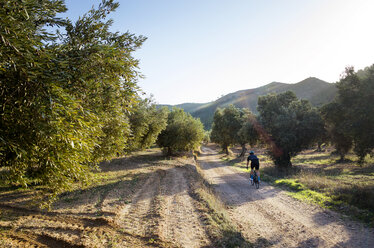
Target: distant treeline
288, 125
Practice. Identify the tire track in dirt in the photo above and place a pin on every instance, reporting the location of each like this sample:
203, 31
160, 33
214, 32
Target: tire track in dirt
269, 217
139, 216
180, 220
52, 230
48, 228
130, 211
162, 210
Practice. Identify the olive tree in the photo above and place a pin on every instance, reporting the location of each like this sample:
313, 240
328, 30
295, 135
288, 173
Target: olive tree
350, 117
226, 125
291, 124
249, 132
65, 93
146, 123
182, 133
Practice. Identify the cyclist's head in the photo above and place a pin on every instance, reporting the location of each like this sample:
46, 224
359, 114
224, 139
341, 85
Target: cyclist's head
251, 152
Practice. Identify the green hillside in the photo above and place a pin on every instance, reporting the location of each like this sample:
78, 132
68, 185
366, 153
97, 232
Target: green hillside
188, 107
315, 90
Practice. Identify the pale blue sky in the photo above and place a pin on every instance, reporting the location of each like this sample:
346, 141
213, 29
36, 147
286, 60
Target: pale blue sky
198, 50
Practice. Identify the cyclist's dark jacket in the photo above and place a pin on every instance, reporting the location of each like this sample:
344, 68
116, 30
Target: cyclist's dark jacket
254, 160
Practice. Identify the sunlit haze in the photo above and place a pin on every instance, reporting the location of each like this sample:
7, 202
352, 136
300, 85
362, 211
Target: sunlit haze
197, 50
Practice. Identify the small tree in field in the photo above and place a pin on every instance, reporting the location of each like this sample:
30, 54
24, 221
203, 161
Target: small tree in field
351, 116
146, 124
248, 133
226, 124
292, 125
337, 128
182, 133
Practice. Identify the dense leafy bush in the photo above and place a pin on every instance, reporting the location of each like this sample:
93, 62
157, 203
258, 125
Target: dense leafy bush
226, 124
351, 116
146, 124
291, 125
65, 94
182, 133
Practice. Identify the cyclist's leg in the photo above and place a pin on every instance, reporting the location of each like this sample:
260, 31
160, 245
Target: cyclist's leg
252, 172
258, 172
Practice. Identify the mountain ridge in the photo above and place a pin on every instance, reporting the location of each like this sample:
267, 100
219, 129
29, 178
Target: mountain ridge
317, 91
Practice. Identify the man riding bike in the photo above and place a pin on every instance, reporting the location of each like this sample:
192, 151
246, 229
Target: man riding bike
255, 164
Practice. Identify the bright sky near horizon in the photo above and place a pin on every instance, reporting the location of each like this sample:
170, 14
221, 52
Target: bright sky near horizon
198, 50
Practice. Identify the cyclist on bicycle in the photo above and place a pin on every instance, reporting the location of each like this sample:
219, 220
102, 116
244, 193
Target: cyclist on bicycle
255, 164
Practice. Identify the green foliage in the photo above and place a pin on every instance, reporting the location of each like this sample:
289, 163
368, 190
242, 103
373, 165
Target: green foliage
248, 133
146, 122
226, 124
291, 125
207, 136
64, 95
351, 115
337, 127
182, 133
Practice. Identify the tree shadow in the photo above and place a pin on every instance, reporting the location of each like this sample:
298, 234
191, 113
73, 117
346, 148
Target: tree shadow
311, 242
314, 158
357, 233
132, 162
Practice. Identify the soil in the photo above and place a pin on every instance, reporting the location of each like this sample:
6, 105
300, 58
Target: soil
269, 217
152, 205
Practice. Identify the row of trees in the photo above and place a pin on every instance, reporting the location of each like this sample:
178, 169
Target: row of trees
350, 117
65, 92
289, 125
285, 123
69, 96
173, 131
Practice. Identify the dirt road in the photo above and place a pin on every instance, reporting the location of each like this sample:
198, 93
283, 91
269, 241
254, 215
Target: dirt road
149, 201
164, 210
268, 217
147, 204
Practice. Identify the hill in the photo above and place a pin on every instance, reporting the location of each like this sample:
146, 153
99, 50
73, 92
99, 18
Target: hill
317, 91
188, 107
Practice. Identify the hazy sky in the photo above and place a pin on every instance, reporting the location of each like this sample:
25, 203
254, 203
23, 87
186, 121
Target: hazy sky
198, 50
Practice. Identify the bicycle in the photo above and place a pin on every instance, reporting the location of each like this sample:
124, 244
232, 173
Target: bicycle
255, 181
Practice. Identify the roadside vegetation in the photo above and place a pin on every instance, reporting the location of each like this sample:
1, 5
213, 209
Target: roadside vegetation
320, 178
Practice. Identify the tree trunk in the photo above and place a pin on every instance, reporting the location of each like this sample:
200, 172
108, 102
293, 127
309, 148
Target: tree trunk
169, 152
283, 161
342, 156
226, 149
244, 150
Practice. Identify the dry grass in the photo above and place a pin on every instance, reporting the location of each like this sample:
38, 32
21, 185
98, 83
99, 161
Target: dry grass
345, 186
320, 177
